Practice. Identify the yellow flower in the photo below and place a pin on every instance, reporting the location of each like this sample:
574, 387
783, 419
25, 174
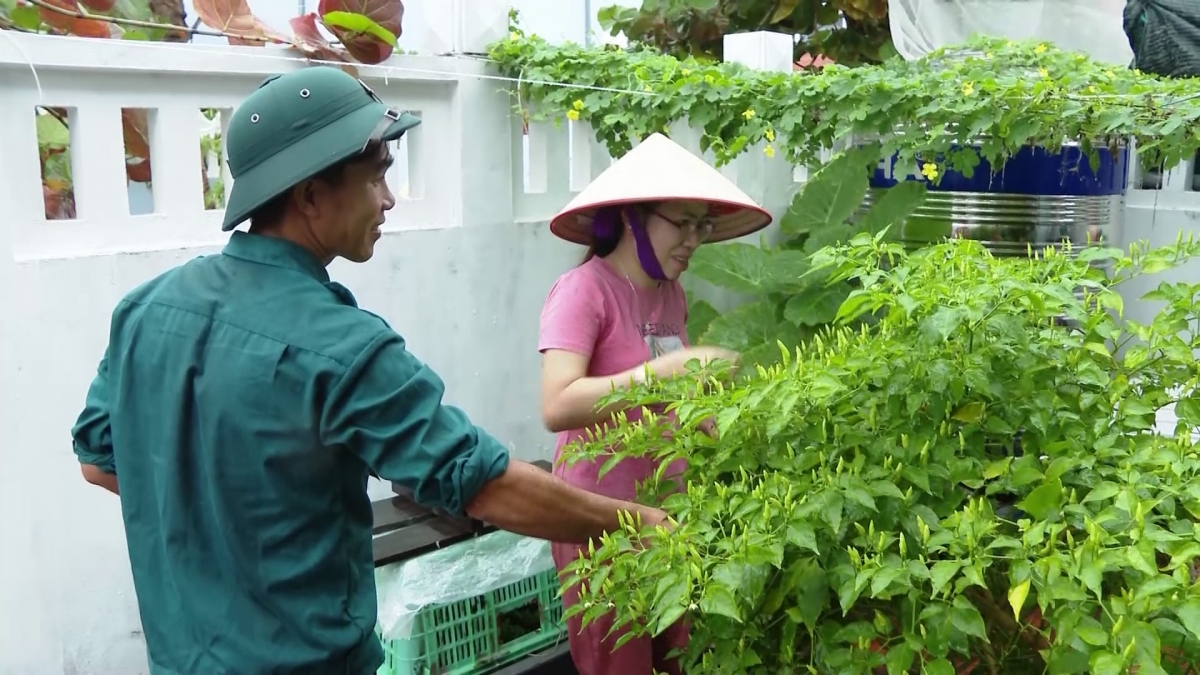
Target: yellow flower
1108, 73
667, 129
647, 88
578, 105
1040, 49
749, 113
572, 115
770, 134
687, 71
710, 79
1091, 89
968, 88
769, 150
929, 170
514, 36
988, 55
1044, 72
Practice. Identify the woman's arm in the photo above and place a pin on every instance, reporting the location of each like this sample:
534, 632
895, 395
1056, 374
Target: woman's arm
570, 397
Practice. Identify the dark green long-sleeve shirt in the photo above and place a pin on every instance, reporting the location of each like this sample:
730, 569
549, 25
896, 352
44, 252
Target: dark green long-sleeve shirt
242, 402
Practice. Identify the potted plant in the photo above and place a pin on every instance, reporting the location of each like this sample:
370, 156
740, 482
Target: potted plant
864, 509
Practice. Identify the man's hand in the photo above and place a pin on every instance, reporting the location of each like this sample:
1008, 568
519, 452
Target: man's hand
529, 501
96, 476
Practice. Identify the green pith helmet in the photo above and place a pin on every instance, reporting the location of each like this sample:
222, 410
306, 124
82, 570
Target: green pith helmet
295, 126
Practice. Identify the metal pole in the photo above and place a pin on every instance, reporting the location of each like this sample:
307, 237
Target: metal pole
587, 23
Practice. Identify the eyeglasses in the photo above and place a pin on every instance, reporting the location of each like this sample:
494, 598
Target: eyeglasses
702, 227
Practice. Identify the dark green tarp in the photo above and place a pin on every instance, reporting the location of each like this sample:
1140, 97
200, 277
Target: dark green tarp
1165, 36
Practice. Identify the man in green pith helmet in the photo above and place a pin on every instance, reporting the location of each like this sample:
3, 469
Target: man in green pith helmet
244, 399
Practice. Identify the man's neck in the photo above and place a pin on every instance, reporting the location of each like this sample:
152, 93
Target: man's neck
301, 237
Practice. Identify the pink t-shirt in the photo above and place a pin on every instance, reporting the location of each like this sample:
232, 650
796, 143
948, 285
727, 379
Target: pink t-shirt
595, 311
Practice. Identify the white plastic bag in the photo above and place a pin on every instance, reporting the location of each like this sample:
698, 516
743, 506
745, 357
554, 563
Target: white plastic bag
454, 573
1094, 27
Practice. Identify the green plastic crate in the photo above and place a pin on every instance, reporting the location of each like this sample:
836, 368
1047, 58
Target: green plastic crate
463, 637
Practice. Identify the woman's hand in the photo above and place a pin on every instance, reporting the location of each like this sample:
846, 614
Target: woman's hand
675, 363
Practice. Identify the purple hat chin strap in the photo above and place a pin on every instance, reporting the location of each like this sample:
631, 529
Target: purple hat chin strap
606, 227
645, 250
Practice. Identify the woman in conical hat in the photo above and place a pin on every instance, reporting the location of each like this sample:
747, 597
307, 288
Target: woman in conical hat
621, 309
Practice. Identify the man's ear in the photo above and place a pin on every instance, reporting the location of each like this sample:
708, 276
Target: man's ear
304, 197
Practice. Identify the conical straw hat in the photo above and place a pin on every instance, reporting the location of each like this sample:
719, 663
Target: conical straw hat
659, 169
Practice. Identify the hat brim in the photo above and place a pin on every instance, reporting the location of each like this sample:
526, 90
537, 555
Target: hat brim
307, 157
738, 220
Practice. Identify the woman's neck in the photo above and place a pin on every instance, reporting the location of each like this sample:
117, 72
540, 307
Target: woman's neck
625, 262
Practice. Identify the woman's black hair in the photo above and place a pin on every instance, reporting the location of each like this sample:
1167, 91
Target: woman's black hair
602, 247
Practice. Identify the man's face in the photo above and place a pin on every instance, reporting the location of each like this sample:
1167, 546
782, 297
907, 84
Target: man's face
350, 213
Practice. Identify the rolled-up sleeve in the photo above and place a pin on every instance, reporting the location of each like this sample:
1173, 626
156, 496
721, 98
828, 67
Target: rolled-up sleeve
92, 434
387, 409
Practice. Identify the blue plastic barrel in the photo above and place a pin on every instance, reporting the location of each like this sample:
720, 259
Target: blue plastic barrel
1037, 199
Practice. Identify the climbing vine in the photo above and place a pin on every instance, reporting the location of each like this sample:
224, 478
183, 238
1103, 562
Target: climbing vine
996, 94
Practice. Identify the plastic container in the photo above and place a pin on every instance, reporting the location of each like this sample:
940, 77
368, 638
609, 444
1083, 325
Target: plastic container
483, 633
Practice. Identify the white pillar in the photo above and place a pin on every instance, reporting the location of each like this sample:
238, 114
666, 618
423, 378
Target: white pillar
768, 180
451, 26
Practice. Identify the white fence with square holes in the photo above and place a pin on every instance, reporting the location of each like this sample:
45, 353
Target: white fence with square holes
461, 272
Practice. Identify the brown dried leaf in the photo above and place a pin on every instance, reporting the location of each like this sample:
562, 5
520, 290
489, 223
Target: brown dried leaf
307, 38
135, 127
367, 48
237, 22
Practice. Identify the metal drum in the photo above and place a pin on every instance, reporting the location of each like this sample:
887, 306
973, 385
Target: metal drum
1037, 199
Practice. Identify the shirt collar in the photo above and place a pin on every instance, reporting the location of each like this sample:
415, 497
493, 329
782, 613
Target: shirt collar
276, 252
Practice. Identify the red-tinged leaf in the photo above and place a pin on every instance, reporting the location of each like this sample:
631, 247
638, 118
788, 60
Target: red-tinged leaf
58, 201
99, 5
137, 169
364, 47
307, 38
62, 22
135, 127
70, 20
237, 22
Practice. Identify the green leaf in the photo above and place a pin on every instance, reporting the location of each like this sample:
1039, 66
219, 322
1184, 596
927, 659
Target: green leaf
720, 600
1105, 490
753, 331
1097, 637
969, 413
966, 618
359, 23
816, 307
701, 314
1105, 663
895, 206
938, 667
812, 595
26, 17
801, 535
899, 659
1189, 615
1044, 500
737, 266
52, 132
830, 197
669, 617
943, 571
1016, 598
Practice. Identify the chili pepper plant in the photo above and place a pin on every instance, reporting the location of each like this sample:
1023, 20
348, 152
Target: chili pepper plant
961, 473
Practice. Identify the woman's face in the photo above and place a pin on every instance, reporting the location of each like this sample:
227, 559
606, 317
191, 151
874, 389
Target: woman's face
675, 230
